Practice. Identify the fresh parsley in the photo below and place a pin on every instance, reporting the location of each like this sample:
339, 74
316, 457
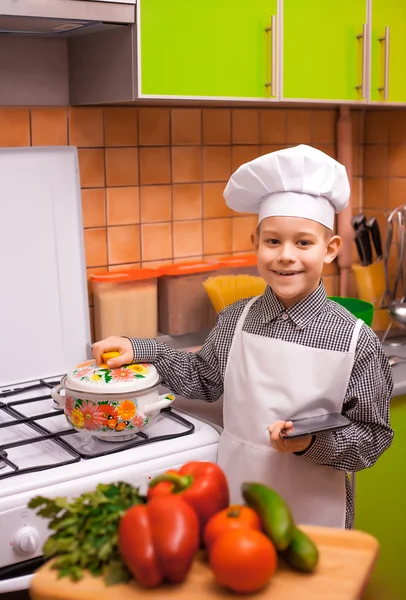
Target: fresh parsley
86, 531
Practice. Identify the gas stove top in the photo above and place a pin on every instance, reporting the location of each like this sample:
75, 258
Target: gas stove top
40, 454
35, 435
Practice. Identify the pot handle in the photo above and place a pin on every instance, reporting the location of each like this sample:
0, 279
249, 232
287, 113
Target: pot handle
57, 396
163, 402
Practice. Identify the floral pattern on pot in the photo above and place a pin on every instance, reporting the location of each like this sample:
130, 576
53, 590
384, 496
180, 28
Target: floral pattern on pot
87, 372
104, 416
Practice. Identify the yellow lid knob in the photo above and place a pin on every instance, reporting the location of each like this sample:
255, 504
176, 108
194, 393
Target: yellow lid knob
106, 356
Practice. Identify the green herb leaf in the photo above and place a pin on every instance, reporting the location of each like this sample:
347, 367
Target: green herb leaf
85, 531
117, 572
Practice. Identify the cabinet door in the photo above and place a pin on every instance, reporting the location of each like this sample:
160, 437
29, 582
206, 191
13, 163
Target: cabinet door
205, 48
322, 57
380, 510
388, 51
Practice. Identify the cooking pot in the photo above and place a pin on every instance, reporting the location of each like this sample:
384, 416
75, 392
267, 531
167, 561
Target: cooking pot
113, 404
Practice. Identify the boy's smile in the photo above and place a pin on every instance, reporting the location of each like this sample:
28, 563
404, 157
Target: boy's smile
291, 253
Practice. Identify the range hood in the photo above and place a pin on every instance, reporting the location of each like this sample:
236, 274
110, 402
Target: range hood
63, 18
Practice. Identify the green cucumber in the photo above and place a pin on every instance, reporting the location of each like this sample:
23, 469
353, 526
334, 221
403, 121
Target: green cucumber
302, 553
276, 518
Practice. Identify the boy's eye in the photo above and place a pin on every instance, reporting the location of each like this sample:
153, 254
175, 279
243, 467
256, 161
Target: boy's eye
304, 243
272, 241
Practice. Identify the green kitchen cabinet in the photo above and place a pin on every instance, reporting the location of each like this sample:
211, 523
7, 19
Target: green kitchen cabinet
380, 505
207, 48
388, 51
324, 50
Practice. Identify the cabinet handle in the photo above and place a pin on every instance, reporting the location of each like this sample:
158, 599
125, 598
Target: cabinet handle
363, 36
272, 29
385, 87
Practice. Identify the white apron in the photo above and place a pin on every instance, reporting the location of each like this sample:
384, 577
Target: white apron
269, 379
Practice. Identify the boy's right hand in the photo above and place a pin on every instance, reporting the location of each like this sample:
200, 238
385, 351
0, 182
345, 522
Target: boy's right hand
114, 344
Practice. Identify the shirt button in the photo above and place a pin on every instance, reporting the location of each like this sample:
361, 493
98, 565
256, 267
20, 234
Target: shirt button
285, 316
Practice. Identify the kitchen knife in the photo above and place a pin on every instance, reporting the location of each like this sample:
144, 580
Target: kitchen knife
373, 226
360, 248
358, 221
363, 243
363, 236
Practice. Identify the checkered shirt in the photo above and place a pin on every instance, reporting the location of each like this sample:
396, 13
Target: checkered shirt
316, 322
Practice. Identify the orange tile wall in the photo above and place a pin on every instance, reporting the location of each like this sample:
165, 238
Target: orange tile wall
152, 177
385, 167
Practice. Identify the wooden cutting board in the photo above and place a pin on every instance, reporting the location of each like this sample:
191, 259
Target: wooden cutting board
346, 562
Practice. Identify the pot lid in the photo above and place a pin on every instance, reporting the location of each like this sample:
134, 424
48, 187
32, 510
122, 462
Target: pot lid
100, 379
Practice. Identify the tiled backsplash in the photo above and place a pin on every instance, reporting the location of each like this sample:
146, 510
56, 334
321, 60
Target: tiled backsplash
385, 166
152, 178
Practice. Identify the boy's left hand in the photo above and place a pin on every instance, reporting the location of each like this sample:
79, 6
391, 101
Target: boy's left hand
283, 444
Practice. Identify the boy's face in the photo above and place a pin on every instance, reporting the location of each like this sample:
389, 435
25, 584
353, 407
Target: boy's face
291, 253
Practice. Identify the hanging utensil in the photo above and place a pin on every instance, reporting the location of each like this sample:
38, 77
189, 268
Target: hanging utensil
400, 215
373, 226
396, 308
387, 295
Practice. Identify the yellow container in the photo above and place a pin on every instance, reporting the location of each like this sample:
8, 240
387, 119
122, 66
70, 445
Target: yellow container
371, 287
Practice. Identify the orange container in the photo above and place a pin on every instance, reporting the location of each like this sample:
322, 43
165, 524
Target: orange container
184, 306
245, 264
126, 303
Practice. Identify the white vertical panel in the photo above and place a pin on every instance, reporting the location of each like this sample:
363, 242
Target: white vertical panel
44, 319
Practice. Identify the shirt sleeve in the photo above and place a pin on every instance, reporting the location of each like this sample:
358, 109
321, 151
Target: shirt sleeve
189, 374
366, 404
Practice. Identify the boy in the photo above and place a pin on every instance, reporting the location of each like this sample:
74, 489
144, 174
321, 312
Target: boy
290, 353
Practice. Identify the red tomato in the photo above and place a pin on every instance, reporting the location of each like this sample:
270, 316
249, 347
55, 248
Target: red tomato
243, 560
234, 517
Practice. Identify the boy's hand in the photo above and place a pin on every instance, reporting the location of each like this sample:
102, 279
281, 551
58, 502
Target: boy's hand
114, 344
282, 444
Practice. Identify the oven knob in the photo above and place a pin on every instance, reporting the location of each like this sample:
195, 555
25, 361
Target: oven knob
26, 540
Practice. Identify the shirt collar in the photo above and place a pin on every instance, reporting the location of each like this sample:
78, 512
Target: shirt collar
301, 313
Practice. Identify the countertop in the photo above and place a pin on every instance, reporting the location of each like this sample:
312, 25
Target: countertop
399, 370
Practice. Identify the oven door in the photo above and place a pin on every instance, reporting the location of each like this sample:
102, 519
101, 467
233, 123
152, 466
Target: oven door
15, 579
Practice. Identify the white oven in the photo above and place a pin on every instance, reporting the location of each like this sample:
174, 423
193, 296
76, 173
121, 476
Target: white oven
44, 332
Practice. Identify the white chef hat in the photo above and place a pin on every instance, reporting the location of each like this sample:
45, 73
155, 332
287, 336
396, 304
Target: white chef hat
293, 182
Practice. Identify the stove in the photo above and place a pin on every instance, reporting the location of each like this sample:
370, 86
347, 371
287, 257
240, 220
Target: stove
44, 332
40, 454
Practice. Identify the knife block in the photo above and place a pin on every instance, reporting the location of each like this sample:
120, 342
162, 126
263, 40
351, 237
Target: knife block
371, 287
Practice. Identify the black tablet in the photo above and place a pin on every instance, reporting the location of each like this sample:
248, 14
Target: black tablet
318, 424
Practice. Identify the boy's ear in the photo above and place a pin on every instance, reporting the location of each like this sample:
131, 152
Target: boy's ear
333, 247
255, 241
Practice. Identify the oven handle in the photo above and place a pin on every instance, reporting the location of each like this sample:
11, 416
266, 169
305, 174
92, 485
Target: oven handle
15, 584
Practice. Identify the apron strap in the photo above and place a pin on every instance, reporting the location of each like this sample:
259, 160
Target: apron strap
355, 335
244, 314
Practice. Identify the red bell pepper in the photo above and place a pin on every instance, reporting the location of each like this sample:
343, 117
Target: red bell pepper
159, 540
203, 485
